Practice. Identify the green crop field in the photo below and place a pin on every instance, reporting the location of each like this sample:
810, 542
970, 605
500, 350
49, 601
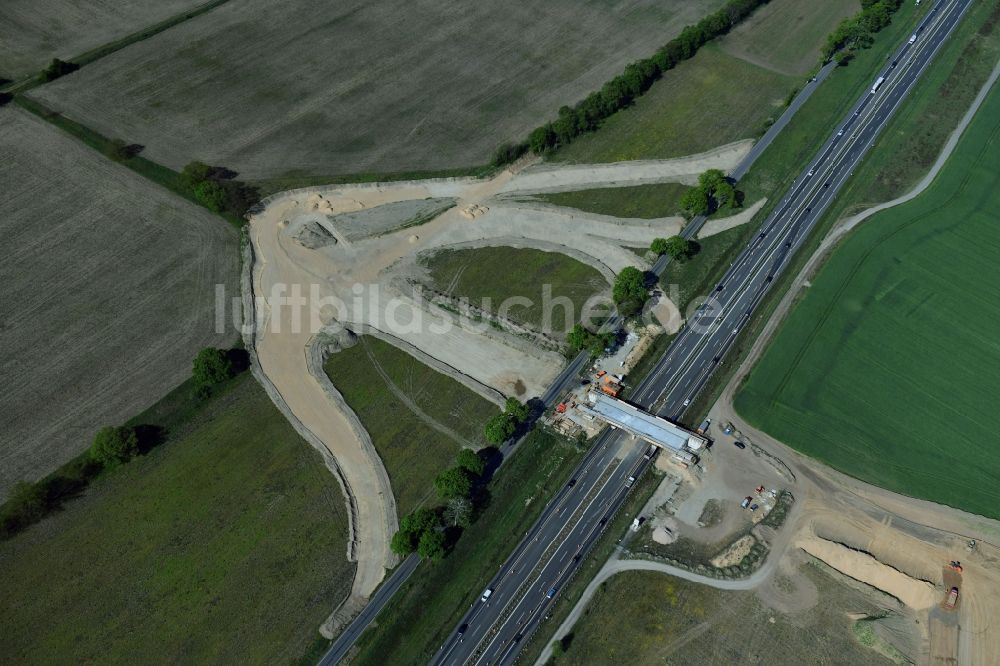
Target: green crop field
643, 201
225, 544
645, 617
418, 438
887, 367
786, 35
473, 274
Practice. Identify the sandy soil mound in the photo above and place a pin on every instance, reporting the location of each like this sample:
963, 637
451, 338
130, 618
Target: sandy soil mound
865, 568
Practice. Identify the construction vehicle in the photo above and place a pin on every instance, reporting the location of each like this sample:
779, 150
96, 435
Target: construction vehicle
610, 386
952, 598
703, 428
955, 566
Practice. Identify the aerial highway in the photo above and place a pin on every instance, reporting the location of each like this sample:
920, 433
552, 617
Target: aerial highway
520, 595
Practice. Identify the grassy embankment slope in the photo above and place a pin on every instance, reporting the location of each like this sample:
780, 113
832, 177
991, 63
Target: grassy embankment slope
374, 378
886, 368
675, 621
473, 274
645, 201
427, 608
226, 543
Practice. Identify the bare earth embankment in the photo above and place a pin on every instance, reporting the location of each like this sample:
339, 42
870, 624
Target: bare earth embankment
108, 288
305, 86
309, 240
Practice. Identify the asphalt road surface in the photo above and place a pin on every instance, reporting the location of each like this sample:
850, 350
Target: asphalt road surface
570, 374
493, 630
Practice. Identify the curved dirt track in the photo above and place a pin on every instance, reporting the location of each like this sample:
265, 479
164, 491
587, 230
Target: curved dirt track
287, 344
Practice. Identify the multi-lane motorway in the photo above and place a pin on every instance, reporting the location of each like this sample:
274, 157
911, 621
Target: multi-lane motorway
493, 630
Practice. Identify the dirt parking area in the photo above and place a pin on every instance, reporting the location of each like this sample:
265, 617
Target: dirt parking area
109, 285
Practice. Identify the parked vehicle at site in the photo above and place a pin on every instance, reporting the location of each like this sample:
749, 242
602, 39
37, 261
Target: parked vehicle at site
952, 598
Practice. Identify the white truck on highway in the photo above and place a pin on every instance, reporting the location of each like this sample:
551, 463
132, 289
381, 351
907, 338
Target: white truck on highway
878, 83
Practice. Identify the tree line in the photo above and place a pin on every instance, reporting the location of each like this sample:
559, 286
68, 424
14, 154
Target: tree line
857, 32
112, 447
622, 90
431, 532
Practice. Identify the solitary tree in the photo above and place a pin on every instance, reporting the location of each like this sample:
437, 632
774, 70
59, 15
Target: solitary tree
499, 428
211, 366
677, 247
469, 460
453, 482
629, 291
431, 545
113, 446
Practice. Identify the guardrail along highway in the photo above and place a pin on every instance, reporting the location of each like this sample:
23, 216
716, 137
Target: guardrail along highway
493, 631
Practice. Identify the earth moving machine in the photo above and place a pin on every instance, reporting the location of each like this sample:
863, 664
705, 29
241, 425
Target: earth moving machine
952, 598
610, 385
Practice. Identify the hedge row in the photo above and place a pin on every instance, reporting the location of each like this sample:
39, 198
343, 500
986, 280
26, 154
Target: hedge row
620, 91
857, 32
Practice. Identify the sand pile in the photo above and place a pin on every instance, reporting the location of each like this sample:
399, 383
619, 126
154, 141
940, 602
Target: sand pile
865, 568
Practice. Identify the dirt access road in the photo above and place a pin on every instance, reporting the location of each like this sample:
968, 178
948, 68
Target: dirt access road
288, 344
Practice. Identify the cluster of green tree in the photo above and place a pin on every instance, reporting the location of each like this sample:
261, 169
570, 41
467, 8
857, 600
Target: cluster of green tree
629, 291
713, 191
675, 246
216, 189
502, 426
56, 69
580, 338
112, 446
857, 32
507, 153
213, 366
638, 76
426, 531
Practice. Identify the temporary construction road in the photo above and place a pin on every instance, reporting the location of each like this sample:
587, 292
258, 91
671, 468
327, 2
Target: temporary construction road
493, 631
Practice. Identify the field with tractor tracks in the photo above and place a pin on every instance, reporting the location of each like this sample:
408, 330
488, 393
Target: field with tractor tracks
886, 369
109, 286
306, 88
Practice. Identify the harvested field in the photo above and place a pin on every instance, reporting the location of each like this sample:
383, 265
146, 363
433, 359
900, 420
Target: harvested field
308, 88
786, 35
33, 32
677, 622
418, 418
110, 287
885, 369
225, 544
